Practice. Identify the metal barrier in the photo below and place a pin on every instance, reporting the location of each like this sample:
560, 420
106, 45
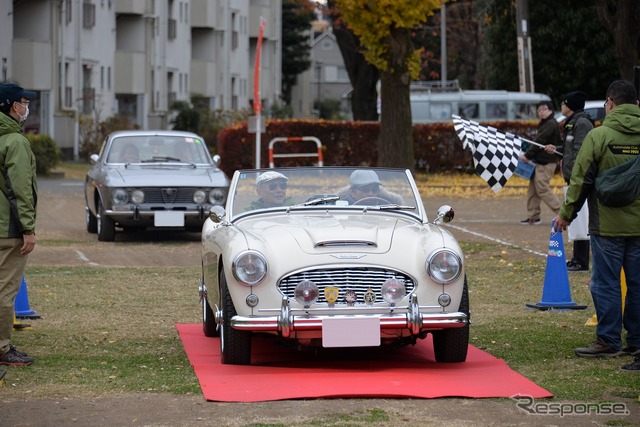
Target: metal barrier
295, 139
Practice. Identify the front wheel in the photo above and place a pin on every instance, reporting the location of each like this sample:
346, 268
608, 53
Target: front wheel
106, 225
92, 221
235, 346
209, 325
451, 345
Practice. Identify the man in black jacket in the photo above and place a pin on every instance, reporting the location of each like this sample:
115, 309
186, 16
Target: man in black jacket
545, 160
576, 126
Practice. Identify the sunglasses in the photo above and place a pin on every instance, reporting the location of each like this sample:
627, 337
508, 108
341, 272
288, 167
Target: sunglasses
274, 185
371, 188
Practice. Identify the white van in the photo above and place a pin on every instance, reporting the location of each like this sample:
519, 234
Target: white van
433, 103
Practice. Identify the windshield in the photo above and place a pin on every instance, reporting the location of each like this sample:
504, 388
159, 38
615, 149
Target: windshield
157, 148
328, 187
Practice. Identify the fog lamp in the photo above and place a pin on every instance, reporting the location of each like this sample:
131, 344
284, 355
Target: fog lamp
252, 300
306, 293
393, 290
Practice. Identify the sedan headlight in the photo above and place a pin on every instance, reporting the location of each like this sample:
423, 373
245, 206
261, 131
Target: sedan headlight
137, 197
199, 196
444, 266
249, 267
119, 196
216, 196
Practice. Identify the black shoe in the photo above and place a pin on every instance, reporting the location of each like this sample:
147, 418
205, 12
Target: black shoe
530, 221
598, 349
576, 266
632, 367
631, 350
570, 263
14, 357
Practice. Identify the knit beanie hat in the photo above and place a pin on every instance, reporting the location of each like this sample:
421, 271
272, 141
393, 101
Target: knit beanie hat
575, 100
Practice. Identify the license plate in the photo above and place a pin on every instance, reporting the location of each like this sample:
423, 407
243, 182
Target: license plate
350, 332
168, 219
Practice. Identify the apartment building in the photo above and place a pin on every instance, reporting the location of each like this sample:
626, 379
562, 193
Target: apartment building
133, 58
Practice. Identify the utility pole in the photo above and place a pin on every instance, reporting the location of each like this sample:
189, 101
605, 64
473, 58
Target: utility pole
525, 62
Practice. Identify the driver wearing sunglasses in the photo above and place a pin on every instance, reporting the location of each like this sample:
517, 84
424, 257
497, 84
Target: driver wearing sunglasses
271, 187
365, 185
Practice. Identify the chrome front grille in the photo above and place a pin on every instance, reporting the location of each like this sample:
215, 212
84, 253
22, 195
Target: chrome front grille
162, 195
358, 279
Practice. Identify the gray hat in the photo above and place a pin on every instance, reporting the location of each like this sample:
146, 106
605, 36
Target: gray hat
270, 176
363, 177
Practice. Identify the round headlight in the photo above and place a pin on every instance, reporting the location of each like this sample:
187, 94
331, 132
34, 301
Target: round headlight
444, 266
119, 196
137, 196
249, 267
199, 196
393, 290
216, 196
306, 293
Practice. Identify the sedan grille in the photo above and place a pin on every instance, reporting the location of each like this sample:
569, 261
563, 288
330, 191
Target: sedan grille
162, 195
359, 280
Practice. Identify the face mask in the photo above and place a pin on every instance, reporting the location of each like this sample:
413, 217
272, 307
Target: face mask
26, 114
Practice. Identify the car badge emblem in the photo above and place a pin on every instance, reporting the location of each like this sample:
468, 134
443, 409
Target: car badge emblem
169, 195
369, 297
350, 298
331, 294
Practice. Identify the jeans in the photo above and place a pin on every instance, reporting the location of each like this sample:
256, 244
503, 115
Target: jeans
609, 256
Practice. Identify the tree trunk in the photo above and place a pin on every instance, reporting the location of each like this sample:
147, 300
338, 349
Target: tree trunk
622, 20
395, 145
362, 75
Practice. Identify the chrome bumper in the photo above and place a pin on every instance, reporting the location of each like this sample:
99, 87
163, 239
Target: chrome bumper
290, 320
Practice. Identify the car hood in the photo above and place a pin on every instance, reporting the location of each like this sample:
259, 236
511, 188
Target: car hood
326, 233
166, 175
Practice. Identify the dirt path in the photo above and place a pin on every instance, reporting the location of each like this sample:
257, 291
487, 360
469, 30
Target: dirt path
61, 217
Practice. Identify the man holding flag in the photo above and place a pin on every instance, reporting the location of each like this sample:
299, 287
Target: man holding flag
543, 156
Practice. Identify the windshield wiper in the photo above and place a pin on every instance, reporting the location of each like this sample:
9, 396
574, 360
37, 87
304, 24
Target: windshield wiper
156, 159
390, 207
320, 200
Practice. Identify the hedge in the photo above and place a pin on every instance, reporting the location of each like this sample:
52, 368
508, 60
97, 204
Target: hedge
46, 152
436, 146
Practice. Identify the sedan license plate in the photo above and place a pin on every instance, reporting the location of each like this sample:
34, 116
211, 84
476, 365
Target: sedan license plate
168, 219
350, 332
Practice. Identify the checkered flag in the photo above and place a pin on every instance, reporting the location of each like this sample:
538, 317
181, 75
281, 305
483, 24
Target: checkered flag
495, 154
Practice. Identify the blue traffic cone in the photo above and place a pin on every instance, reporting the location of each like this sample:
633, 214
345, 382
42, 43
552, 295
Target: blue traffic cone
556, 293
21, 307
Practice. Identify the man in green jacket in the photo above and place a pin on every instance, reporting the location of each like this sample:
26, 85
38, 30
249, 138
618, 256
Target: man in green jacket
614, 231
18, 198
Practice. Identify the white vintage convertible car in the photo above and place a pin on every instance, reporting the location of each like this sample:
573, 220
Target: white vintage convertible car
331, 257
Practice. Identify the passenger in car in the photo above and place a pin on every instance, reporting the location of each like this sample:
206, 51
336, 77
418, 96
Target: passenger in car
271, 187
129, 154
365, 184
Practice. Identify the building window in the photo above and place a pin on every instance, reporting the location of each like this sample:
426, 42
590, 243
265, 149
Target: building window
234, 31
172, 29
68, 9
88, 15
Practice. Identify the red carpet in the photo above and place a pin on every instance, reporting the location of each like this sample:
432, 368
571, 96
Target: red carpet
279, 373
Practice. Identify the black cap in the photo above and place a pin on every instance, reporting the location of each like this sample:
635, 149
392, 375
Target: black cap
575, 100
11, 92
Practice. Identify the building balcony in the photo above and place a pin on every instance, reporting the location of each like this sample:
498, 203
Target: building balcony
130, 72
131, 7
255, 12
28, 59
205, 14
203, 78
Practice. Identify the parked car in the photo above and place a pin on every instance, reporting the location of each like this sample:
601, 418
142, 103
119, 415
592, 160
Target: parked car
163, 179
331, 257
595, 109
